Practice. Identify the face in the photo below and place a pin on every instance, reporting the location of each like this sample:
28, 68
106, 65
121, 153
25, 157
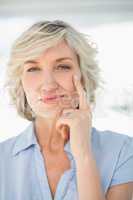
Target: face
48, 76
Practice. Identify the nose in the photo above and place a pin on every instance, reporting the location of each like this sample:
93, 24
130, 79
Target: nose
49, 82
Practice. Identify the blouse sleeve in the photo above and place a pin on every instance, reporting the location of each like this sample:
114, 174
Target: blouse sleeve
123, 172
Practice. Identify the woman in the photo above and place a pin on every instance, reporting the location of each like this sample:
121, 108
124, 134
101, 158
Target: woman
52, 79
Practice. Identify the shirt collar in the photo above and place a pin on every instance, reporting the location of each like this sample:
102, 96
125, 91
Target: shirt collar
25, 140
28, 138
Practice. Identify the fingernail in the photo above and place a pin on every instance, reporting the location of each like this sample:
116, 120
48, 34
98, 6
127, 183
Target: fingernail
76, 77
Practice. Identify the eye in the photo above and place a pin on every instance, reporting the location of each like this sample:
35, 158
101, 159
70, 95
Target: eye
32, 69
66, 67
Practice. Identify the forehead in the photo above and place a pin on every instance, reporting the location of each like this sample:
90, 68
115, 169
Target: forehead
59, 52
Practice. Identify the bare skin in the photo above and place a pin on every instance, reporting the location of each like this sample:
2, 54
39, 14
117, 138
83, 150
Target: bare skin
56, 165
60, 80
51, 141
45, 78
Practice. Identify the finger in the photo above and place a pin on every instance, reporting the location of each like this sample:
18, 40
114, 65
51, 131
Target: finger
58, 114
81, 92
65, 131
67, 111
60, 125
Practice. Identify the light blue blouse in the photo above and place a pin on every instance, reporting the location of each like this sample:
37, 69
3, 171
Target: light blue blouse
23, 173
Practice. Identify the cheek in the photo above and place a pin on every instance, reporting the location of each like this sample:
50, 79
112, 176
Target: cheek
29, 87
66, 83
29, 84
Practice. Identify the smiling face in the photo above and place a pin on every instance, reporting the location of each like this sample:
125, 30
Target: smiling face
49, 75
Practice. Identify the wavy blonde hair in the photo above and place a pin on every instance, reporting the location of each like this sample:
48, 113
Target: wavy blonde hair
33, 42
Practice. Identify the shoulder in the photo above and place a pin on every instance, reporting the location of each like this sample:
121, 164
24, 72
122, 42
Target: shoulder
6, 147
26, 138
110, 140
114, 156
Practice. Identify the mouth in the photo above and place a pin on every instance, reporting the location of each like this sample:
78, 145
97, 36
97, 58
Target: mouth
52, 98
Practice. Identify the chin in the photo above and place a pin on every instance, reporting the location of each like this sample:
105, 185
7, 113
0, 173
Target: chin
47, 112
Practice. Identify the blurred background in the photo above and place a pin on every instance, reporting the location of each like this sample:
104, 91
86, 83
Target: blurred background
109, 23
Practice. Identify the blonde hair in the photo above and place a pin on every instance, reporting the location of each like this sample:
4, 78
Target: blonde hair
33, 42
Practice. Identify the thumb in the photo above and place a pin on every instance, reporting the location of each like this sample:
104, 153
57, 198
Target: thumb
65, 132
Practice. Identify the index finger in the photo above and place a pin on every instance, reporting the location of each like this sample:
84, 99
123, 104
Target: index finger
81, 92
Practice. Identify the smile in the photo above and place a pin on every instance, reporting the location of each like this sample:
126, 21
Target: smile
51, 98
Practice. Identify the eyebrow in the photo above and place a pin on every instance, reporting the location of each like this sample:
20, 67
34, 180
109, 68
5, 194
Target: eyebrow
57, 60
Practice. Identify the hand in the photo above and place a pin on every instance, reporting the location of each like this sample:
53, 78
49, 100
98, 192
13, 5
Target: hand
77, 122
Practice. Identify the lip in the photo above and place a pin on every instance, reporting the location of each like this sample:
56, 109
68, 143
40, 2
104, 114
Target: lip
51, 98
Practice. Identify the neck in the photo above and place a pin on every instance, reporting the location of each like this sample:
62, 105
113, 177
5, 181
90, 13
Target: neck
48, 138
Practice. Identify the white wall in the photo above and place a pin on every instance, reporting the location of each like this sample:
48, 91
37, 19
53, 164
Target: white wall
113, 34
